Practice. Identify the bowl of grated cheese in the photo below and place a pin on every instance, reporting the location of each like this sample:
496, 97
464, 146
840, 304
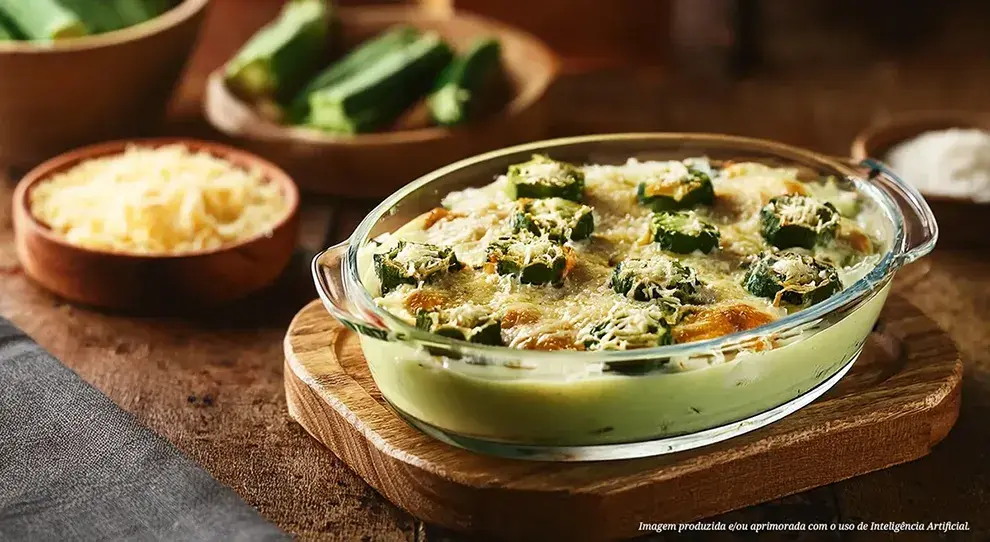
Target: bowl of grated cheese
152, 224
946, 156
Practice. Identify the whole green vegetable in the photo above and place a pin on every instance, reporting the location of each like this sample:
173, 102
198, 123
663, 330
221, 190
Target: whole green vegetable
276, 61
375, 96
359, 59
8, 32
462, 84
43, 19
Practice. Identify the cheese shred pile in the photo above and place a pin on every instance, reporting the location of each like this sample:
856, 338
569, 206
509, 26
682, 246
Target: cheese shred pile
165, 200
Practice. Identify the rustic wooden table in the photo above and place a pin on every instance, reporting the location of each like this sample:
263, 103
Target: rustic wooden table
213, 385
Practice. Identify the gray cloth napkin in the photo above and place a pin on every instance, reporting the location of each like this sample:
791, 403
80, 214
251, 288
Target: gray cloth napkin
74, 466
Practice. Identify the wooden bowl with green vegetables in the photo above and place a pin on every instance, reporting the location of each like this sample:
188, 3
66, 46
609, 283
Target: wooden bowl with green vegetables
80, 71
359, 101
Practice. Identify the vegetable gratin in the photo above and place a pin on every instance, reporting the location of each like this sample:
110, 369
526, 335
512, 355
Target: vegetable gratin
657, 293
556, 256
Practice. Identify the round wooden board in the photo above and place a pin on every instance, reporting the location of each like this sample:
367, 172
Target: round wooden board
900, 398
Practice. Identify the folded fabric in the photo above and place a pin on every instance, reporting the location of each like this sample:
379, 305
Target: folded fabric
74, 466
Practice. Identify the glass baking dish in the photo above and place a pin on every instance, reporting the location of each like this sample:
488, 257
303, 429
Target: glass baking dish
568, 405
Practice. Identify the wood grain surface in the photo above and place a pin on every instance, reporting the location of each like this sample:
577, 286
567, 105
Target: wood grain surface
213, 384
900, 399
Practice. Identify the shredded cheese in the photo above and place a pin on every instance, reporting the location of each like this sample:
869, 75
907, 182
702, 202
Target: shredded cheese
165, 200
628, 326
420, 260
953, 162
548, 172
795, 270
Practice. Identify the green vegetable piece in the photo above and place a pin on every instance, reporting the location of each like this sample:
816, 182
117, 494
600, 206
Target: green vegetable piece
160, 6
683, 232
98, 16
469, 322
534, 260
659, 277
792, 279
628, 327
276, 61
133, 12
413, 263
798, 221
360, 58
102, 16
461, 85
556, 218
542, 177
375, 96
677, 185
8, 30
45, 20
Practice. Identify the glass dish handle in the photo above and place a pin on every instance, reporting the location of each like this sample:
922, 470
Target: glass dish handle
327, 268
921, 230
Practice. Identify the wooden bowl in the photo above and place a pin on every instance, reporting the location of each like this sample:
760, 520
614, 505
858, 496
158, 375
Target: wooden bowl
54, 97
152, 283
961, 221
376, 164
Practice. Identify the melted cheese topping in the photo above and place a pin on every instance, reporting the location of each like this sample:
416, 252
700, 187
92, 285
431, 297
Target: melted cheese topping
671, 178
658, 277
544, 172
538, 250
694, 225
794, 270
628, 326
419, 260
802, 211
467, 315
549, 317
